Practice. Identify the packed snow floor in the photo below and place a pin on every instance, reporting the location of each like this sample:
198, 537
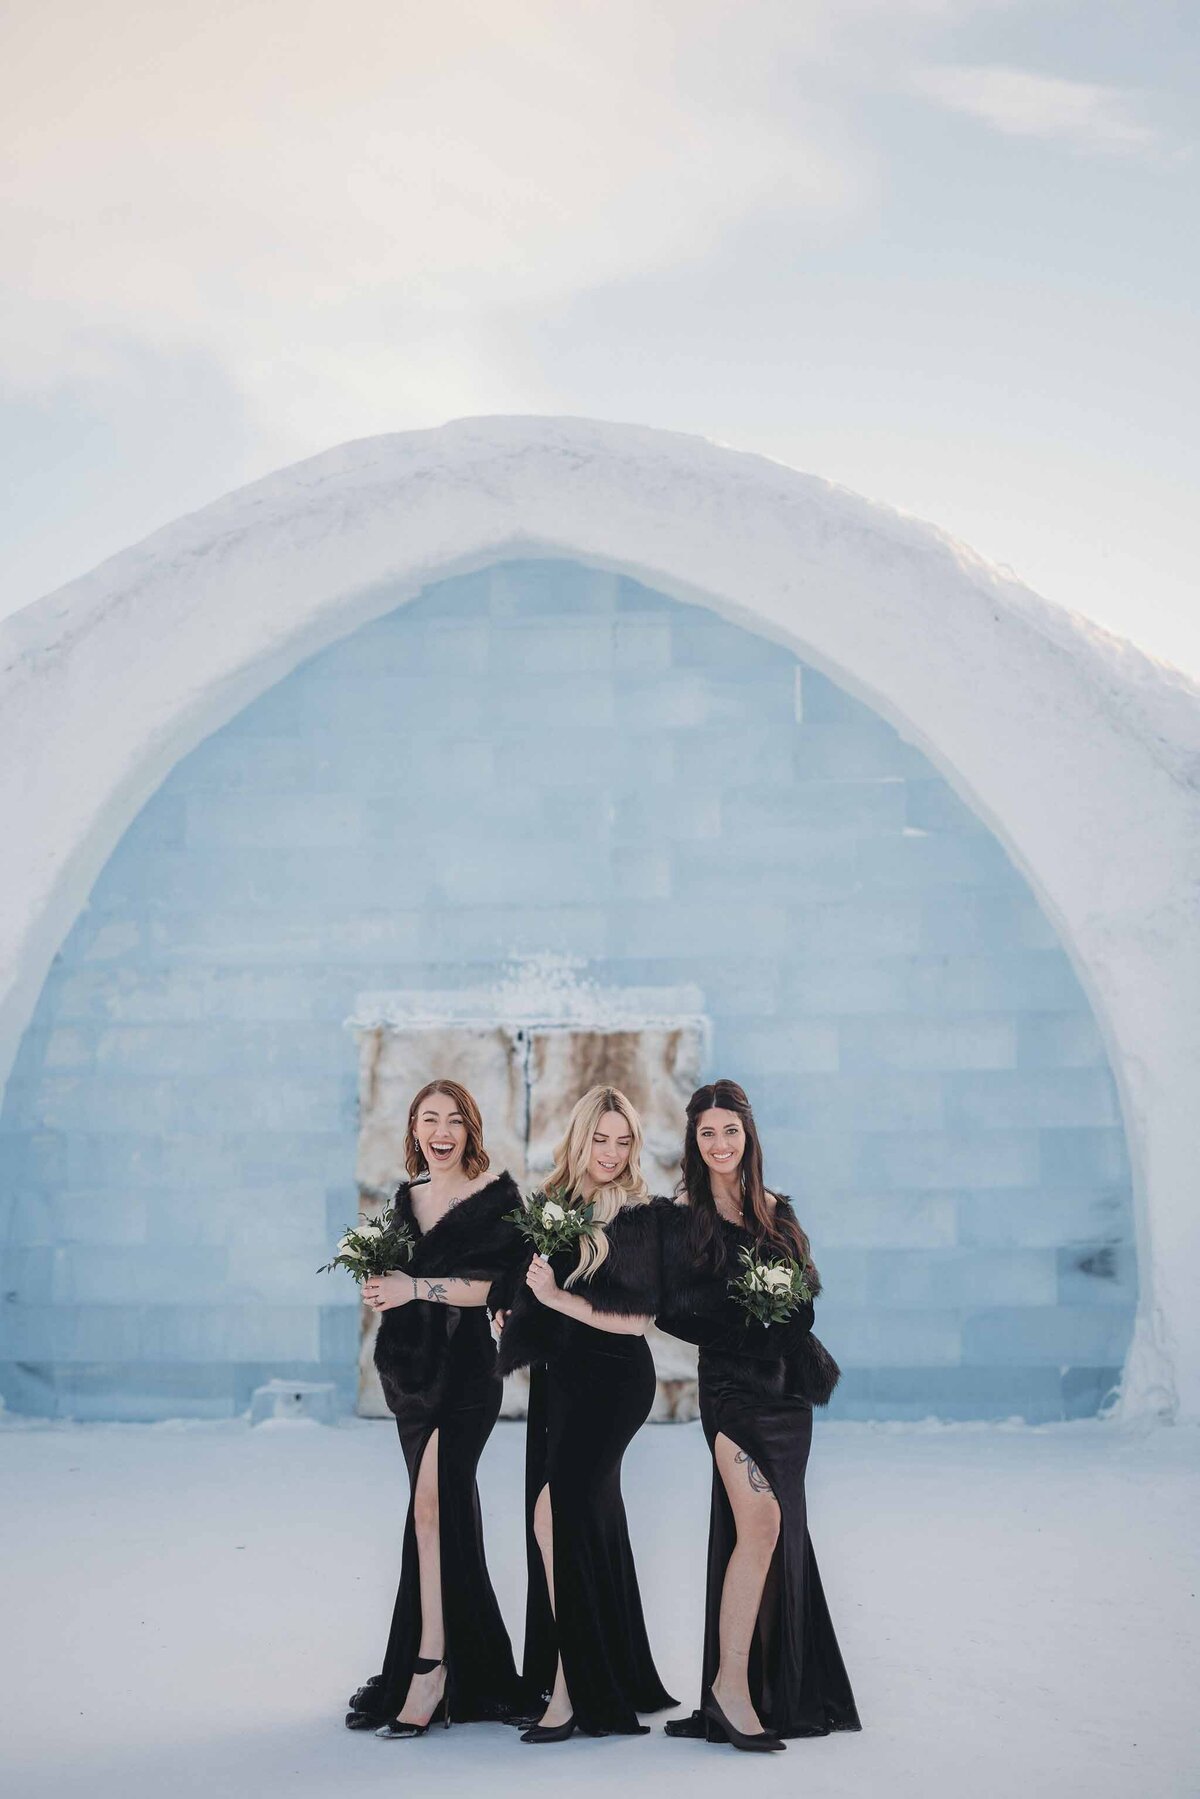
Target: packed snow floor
185, 1608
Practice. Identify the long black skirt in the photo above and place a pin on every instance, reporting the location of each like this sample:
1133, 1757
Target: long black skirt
481, 1678
798, 1681
586, 1403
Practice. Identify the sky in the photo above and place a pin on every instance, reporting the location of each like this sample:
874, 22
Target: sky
943, 252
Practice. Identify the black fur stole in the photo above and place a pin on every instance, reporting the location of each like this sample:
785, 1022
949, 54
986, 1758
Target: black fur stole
627, 1284
696, 1306
472, 1240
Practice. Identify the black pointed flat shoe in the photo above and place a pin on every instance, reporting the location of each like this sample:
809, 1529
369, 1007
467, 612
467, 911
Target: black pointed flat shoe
722, 1731
549, 1733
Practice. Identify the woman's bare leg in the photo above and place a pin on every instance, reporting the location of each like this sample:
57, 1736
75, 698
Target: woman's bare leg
559, 1708
425, 1690
756, 1519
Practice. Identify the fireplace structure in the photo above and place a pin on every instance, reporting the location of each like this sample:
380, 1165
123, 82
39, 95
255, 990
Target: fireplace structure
527, 1049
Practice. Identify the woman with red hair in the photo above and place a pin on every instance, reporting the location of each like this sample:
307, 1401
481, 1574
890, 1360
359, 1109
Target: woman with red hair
448, 1654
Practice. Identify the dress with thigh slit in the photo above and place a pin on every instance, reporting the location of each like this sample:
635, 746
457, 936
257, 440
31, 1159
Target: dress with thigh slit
437, 1367
758, 1389
590, 1391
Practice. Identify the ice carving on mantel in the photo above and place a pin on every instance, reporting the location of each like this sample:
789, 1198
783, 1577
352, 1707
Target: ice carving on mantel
527, 1047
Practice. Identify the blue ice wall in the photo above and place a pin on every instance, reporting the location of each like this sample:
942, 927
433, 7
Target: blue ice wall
543, 757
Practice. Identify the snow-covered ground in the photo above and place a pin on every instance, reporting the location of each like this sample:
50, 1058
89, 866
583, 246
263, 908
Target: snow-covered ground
186, 1606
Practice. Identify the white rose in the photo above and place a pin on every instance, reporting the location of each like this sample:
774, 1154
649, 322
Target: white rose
370, 1229
777, 1277
552, 1212
345, 1246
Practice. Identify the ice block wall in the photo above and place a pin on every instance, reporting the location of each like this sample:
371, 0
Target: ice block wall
543, 757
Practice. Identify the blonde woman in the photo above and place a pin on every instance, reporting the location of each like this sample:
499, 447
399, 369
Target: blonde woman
580, 1322
448, 1654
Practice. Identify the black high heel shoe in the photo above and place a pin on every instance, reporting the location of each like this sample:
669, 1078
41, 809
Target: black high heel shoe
440, 1714
549, 1733
720, 1730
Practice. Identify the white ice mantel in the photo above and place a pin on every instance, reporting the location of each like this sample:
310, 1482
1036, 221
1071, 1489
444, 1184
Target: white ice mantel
536, 993
1077, 750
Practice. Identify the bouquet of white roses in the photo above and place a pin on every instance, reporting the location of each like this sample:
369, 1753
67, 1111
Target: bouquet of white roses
550, 1225
770, 1291
373, 1246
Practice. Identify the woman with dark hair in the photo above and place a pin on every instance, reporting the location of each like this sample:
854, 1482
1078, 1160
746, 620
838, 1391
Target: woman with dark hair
448, 1654
580, 1319
772, 1668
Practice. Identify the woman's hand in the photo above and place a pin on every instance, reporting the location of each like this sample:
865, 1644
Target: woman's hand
498, 1318
383, 1291
539, 1278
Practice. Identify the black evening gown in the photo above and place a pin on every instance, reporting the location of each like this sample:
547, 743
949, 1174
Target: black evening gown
437, 1365
590, 1392
758, 1385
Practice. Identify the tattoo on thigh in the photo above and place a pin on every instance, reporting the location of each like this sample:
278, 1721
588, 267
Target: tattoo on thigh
754, 1474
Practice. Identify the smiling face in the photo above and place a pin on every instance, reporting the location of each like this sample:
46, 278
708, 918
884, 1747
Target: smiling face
721, 1140
612, 1141
441, 1131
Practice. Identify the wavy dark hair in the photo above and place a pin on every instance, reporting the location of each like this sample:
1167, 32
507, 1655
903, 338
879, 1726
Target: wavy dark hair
475, 1159
774, 1229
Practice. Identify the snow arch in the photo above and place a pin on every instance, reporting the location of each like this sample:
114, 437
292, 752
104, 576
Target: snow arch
1075, 749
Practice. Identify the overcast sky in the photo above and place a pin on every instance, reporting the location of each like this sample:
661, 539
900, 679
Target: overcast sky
942, 252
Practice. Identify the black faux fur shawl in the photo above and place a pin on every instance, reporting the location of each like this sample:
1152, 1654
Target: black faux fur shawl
472, 1241
780, 1358
626, 1284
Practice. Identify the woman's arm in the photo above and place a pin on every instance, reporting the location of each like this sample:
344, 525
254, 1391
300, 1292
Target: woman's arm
539, 1278
450, 1290
732, 1332
389, 1290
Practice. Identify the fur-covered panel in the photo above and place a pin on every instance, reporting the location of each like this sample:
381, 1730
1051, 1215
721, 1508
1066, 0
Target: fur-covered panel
626, 1284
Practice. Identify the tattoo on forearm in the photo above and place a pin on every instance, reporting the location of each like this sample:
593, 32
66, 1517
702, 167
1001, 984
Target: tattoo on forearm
439, 1291
754, 1474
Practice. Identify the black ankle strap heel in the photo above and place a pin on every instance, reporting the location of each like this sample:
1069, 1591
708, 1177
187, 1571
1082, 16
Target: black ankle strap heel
393, 1732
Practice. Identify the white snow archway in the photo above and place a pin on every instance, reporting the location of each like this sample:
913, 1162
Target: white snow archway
1078, 751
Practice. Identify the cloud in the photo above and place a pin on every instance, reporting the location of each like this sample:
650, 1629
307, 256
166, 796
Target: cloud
1020, 103
354, 209
332, 188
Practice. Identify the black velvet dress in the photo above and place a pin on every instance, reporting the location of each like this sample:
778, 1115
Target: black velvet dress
437, 1365
590, 1392
758, 1386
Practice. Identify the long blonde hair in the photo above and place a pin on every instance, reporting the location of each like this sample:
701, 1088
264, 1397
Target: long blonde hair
566, 1178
